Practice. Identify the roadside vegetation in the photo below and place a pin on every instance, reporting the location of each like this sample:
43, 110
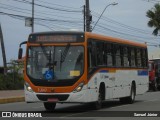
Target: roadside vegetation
13, 80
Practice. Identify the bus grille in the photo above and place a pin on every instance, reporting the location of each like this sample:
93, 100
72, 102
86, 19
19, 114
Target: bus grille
59, 97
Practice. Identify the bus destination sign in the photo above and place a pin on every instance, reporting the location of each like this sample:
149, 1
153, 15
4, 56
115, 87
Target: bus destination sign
52, 38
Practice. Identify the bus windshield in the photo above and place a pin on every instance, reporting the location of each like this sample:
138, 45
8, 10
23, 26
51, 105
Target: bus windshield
55, 62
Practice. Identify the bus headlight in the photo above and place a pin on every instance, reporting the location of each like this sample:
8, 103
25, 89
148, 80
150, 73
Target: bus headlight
79, 87
28, 88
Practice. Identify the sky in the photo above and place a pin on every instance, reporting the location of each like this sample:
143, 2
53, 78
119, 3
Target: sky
127, 20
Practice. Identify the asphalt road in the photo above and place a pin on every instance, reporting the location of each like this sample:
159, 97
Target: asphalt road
112, 109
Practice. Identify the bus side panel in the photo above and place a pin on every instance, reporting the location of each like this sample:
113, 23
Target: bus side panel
124, 79
123, 82
118, 83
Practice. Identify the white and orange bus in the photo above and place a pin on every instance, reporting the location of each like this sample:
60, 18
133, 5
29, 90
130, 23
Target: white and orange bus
82, 67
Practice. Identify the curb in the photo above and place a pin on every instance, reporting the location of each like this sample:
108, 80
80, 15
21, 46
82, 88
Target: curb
12, 99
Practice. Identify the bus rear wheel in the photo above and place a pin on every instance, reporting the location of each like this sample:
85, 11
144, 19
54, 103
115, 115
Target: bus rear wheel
49, 106
131, 98
155, 86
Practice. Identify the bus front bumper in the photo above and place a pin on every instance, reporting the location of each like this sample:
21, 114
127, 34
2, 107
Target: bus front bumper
78, 97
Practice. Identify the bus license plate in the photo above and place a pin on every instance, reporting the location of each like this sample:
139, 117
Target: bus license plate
52, 100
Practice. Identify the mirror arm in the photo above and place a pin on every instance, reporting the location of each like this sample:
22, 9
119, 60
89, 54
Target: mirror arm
25, 42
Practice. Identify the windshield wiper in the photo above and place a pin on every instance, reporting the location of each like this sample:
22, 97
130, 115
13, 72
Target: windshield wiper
45, 54
64, 54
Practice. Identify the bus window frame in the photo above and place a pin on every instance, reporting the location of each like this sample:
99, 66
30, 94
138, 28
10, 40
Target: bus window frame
112, 53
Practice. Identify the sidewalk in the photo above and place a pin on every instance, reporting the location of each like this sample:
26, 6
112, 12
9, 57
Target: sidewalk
9, 96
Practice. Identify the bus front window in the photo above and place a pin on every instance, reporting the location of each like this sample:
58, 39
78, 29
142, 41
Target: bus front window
55, 62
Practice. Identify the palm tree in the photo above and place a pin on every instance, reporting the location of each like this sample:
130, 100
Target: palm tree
154, 18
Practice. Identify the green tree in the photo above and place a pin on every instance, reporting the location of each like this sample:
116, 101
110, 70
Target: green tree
154, 18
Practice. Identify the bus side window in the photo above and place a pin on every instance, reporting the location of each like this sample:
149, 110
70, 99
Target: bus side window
144, 57
122, 55
136, 62
125, 58
139, 61
133, 64
117, 55
129, 56
100, 53
109, 54
92, 54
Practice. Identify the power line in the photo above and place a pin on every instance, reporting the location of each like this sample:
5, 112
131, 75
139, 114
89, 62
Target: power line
124, 29
121, 33
121, 24
57, 9
37, 12
43, 19
47, 22
58, 5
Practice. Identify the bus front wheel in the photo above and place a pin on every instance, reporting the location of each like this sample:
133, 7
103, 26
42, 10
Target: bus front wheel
49, 106
101, 96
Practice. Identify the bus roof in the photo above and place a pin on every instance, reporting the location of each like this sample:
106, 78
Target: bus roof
58, 32
95, 36
115, 40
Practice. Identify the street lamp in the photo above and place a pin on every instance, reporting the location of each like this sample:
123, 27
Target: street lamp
103, 12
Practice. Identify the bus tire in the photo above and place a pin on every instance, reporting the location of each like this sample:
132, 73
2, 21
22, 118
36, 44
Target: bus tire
49, 106
155, 86
101, 97
131, 98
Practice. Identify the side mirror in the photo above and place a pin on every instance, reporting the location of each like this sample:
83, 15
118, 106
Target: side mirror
20, 53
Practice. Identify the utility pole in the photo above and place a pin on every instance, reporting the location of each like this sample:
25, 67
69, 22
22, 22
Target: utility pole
88, 17
84, 13
3, 51
32, 16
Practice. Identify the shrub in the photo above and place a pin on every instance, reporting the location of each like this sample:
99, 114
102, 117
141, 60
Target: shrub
12, 81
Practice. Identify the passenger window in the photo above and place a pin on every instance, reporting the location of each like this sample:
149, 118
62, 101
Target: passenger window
100, 53
139, 61
91, 54
117, 55
109, 54
144, 58
125, 57
133, 64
